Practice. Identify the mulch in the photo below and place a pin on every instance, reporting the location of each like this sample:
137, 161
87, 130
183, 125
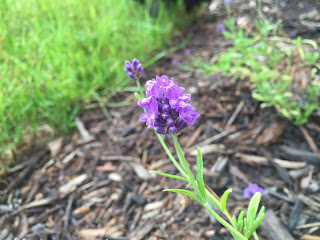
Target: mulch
96, 184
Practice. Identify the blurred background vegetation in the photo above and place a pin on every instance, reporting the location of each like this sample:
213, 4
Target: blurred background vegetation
56, 56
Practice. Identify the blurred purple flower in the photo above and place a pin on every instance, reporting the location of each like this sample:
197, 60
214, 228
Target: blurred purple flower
167, 110
19, 239
220, 28
227, 2
238, 19
175, 62
187, 52
133, 69
251, 190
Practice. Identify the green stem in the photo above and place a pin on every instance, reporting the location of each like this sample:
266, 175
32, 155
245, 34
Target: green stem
255, 236
166, 149
185, 165
223, 222
140, 89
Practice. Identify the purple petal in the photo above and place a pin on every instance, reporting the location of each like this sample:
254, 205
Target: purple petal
220, 28
187, 52
139, 69
173, 130
251, 190
175, 62
131, 75
135, 63
160, 130
188, 114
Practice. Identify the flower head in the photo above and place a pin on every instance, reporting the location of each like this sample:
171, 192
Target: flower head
19, 239
167, 109
227, 2
133, 69
186, 52
175, 62
220, 28
251, 190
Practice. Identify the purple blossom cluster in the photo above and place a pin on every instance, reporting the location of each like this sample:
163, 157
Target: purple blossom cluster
134, 69
220, 28
251, 190
167, 110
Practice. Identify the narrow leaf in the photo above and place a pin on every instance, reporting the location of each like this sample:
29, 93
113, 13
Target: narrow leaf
254, 203
137, 95
184, 192
199, 176
240, 221
213, 201
170, 176
258, 219
224, 198
181, 157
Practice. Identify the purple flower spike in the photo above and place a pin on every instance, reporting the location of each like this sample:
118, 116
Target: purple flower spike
167, 109
220, 28
251, 190
187, 52
227, 2
134, 70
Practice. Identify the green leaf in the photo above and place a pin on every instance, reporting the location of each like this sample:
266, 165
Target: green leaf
254, 204
199, 176
214, 202
258, 219
137, 95
223, 200
170, 176
184, 192
181, 157
240, 221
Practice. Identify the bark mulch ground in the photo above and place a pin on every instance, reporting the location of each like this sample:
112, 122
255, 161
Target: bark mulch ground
97, 184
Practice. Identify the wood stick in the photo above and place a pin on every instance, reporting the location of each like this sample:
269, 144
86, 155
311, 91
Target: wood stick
274, 228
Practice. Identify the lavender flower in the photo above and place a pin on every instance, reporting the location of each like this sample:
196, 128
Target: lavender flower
167, 110
238, 19
19, 239
134, 69
220, 28
186, 52
251, 190
227, 2
175, 62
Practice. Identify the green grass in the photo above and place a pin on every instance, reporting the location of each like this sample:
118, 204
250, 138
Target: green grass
55, 56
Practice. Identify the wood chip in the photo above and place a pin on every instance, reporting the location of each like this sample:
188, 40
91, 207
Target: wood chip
107, 167
309, 139
72, 184
212, 148
140, 170
309, 237
195, 136
274, 229
270, 134
55, 146
258, 160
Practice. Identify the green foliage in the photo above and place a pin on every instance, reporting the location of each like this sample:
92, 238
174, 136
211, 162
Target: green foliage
223, 200
57, 55
267, 62
247, 225
199, 176
252, 221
